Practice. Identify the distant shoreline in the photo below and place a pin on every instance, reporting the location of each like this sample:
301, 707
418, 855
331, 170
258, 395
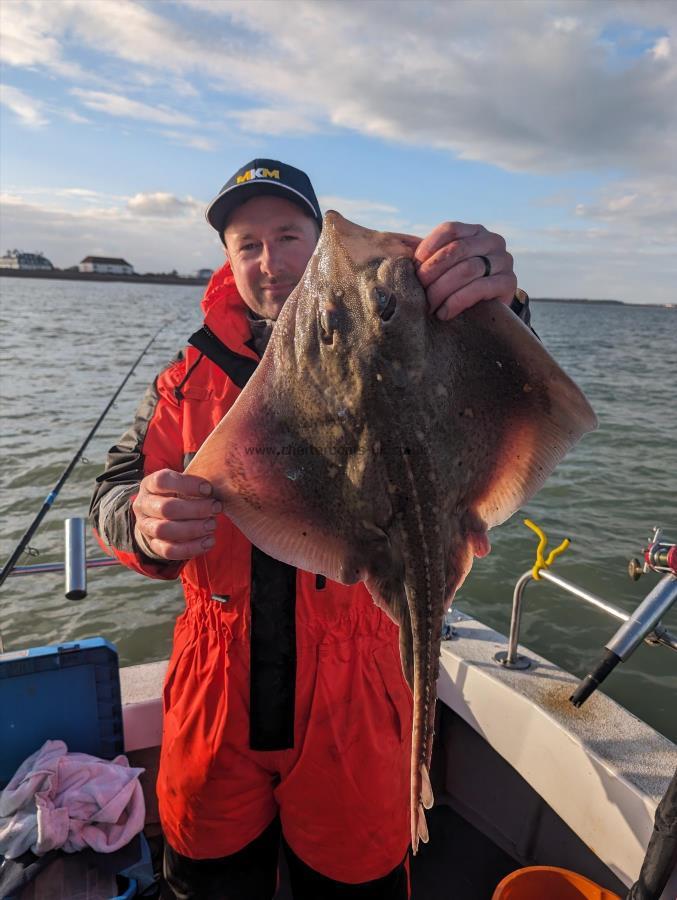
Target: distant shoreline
62, 275
583, 300
600, 302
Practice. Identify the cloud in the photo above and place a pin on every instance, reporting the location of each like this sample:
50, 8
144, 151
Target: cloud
117, 105
638, 214
273, 121
83, 193
527, 86
74, 196
568, 23
545, 89
620, 246
179, 87
163, 205
72, 116
29, 37
370, 213
28, 109
195, 142
152, 242
661, 49
597, 269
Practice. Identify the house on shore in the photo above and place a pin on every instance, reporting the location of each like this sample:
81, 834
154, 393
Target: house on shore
19, 259
107, 265
205, 273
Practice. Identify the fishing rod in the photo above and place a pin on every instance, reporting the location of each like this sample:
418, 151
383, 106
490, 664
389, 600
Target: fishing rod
51, 497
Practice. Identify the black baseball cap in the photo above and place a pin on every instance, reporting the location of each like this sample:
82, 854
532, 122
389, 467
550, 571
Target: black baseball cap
259, 177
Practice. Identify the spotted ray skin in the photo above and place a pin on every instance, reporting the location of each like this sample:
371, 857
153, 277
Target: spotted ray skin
377, 443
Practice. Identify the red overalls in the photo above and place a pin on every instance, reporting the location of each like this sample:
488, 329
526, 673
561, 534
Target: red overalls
342, 790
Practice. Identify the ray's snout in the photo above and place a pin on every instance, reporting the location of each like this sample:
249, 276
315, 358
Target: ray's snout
362, 245
335, 221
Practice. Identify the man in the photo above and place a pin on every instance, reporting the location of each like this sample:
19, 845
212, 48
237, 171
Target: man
285, 708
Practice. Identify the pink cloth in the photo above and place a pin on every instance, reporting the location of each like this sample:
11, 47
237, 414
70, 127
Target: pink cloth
58, 799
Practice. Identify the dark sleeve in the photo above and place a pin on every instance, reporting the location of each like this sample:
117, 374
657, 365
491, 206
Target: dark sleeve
154, 441
520, 306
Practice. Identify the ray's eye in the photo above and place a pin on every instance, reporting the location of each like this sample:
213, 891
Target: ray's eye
385, 303
327, 325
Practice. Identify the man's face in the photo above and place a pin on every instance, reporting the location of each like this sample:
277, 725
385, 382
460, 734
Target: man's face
269, 242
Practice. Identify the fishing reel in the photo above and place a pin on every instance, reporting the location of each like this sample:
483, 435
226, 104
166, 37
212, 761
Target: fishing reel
659, 556
643, 624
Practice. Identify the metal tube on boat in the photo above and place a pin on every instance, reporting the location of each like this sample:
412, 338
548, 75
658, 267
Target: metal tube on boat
512, 659
644, 619
76, 559
629, 636
102, 562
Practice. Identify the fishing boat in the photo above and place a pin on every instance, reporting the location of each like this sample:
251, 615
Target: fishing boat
523, 777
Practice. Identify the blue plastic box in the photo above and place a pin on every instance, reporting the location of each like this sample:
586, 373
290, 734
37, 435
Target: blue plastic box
70, 692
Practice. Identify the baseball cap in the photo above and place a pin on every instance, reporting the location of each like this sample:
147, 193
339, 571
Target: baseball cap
259, 177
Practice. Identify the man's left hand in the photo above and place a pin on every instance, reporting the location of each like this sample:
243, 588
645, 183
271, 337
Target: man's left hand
452, 271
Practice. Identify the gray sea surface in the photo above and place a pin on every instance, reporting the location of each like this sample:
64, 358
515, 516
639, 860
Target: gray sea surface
66, 346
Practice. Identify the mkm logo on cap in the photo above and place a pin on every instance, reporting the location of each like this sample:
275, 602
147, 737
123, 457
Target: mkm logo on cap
259, 177
250, 174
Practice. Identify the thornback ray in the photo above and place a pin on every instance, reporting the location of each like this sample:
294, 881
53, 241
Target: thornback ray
376, 443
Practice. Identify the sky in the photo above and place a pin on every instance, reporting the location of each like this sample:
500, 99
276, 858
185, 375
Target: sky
551, 123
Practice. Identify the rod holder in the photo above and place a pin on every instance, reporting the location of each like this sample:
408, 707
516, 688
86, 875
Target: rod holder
645, 618
76, 559
629, 636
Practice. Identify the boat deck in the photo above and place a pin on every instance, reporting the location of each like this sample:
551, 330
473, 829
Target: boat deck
459, 862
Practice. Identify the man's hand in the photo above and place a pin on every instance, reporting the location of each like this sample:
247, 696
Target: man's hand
451, 269
175, 515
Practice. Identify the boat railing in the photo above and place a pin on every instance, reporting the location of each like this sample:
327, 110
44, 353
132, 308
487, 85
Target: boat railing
75, 562
658, 634
641, 625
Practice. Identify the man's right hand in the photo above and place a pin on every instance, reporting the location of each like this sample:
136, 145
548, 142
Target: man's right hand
175, 515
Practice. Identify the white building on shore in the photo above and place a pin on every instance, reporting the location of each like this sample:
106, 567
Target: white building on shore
19, 259
108, 265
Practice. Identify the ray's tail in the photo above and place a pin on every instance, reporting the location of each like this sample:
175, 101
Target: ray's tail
426, 623
428, 596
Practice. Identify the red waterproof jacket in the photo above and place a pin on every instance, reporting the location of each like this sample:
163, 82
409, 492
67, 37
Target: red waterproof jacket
307, 661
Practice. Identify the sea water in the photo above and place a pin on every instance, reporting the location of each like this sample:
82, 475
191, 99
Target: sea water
66, 346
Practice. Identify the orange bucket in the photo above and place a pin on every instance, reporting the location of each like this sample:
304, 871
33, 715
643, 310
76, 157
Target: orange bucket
549, 883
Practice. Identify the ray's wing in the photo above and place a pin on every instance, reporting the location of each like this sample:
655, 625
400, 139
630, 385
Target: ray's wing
281, 487
254, 469
514, 416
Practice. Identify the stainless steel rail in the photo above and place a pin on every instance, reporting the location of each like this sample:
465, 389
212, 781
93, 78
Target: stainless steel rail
76, 559
74, 567
75, 562
512, 660
101, 562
